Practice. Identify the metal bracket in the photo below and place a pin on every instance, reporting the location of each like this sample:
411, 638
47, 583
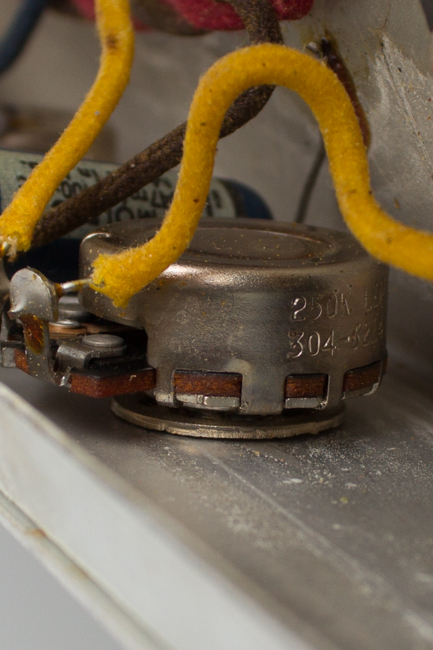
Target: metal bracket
34, 301
78, 354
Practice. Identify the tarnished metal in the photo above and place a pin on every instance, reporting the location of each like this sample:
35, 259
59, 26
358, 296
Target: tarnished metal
32, 293
107, 342
215, 403
141, 410
263, 301
58, 353
254, 320
305, 391
212, 390
34, 301
67, 324
76, 354
70, 308
91, 382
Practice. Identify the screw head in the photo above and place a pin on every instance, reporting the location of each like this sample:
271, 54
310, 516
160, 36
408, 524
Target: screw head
67, 323
103, 341
72, 311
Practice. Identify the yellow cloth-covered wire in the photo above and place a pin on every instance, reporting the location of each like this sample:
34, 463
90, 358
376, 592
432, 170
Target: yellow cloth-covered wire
122, 275
117, 39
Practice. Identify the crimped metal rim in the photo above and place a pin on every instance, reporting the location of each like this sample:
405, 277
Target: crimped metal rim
145, 413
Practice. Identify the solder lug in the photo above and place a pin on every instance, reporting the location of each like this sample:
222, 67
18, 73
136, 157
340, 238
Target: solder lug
304, 403
209, 402
363, 392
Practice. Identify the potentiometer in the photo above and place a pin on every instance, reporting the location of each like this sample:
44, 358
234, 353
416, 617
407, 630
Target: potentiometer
260, 329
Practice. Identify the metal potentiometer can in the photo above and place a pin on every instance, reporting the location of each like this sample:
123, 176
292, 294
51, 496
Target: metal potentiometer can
261, 329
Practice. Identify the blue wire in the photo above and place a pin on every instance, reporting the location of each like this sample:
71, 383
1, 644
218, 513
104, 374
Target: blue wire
18, 32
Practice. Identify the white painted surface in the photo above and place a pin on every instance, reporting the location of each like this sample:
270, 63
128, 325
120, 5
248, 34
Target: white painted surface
36, 612
150, 566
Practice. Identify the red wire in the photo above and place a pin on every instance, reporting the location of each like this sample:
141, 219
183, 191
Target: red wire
210, 15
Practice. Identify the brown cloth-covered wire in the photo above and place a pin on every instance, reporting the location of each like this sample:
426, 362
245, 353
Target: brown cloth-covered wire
262, 26
65, 6
160, 16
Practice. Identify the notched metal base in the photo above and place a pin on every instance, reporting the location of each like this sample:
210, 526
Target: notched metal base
143, 411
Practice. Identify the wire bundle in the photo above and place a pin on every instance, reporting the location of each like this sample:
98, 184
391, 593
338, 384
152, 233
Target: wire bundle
122, 275
262, 27
209, 15
117, 39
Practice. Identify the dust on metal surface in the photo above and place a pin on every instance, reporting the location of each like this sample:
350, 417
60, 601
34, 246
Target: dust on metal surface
334, 528
337, 527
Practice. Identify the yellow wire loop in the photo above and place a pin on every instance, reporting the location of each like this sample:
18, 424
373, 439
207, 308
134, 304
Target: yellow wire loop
117, 40
122, 275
